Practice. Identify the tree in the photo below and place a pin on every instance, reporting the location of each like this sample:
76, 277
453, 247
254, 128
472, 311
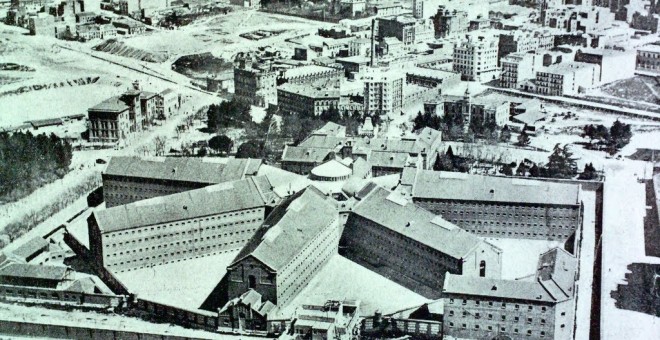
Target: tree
250, 149
221, 144
443, 162
561, 163
159, 143
589, 172
523, 139
234, 113
331, 115
535, 171
620, 134
505, 134
507, 170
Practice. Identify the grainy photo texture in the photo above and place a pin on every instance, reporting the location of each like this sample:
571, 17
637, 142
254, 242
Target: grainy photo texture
330, 169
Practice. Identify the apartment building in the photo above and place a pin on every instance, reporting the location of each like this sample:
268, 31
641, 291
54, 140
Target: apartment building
648, 58
307, 100
257, 86
476, 58
450, 23
524, 40
518, 67
383, 92
567, 78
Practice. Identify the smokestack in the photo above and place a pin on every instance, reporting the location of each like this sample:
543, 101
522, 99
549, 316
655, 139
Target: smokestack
373, 42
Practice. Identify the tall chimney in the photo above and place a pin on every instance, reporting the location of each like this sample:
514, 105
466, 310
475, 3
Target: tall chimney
373, 42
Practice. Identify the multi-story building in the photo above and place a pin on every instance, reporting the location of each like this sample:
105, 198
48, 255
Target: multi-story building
567, 78
612, 64
359, 47
518, 67
109, 121
449, 23
524, 41
428, 77
383, 92
255, 85
148, 106
477, 110
307, 100
584, 19
160, 230
648, 58
476, 58
310, 74
487, 308
293, 244
390, 235
406, 28
504, 207
168, 103
130, 179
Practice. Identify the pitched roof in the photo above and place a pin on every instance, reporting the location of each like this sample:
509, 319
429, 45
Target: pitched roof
331, 129
253, 299
112, 104
31, 247
289, 228
214, 199
331, 168
395, 212
468, 187
33, 271
305, 154
184, 169
555, 279
556, 272
388, 159
496, 288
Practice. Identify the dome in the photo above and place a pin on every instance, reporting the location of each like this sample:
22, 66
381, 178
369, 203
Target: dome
331, 171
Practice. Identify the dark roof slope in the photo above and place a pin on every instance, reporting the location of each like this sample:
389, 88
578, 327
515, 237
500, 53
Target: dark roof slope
210, 200
289, 228
32, 271
459, 186
184, 169
395, 212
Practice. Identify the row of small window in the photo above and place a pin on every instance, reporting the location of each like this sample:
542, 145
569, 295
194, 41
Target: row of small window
304, 253
459, 206
490, 316
505, 224
417, 251
190, 232
498, 232
318, 262
140, 230
502, 329
172, 244
166, 255
491, 304
510, 215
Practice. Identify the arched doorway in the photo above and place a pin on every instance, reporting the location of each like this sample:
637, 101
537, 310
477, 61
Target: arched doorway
482, 269
252, 282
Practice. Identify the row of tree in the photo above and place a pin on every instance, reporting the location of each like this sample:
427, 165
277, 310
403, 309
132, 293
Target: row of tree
561, 164
27, 162
453, 129
616, 137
